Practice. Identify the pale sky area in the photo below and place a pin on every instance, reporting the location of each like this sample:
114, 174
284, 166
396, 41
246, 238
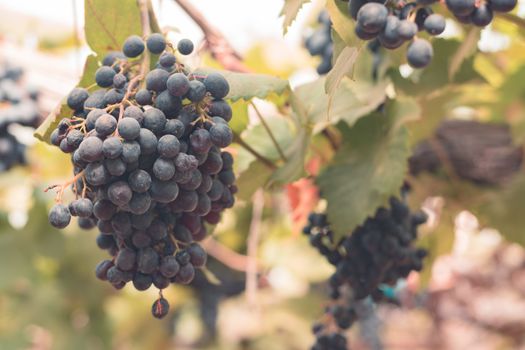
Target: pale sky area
242, 21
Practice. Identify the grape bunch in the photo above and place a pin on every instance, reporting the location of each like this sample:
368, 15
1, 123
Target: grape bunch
149, 169
18, 105
378, 252
394, 23
319, 43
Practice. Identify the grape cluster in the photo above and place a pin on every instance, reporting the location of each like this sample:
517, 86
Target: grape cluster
394, 23
319, 43
18, 105
148, 165
378, 252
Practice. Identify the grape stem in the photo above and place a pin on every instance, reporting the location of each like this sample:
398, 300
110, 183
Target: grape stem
269, 131
62, 187
215, 41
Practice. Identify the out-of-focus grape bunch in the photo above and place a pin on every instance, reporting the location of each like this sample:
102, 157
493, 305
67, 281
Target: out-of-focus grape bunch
18, 106
379, 252
319, 43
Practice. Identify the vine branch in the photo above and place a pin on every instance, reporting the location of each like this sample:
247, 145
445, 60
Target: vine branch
253, 243
215, 41
227, 256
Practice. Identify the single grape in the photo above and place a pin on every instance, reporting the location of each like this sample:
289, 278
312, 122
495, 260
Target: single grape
104, 76
372, 17
221, 135
419, 53
185, 47
102, 268
76, 98
156, 80
126, 258
197, 91
119, 81
142, 282
164, 169
154, 120
119, 193
178, 84
217, 85
174, 127
112, 147
434, 24
116, 167
82, 207
160, 308
59, 216
482, 16
148, 260
156, 43
90, 149
143, 97
147, 141
167, 60
139, 181
105, 125
168, 146
164, 191
406, 29
200, 141
129, 129
104, 210
130, 151
186, 274
133, 46
169, 267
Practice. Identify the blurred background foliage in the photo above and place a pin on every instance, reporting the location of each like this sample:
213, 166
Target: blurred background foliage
50, 298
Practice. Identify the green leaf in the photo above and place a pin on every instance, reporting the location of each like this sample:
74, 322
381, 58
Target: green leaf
257, 136
467, 48
240, 119
43, 132
290, 10
253, 178
247, 86
351, 101
339, 45
367, 170
341, 21
344, 65
109, 23
90, 67
293, 169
